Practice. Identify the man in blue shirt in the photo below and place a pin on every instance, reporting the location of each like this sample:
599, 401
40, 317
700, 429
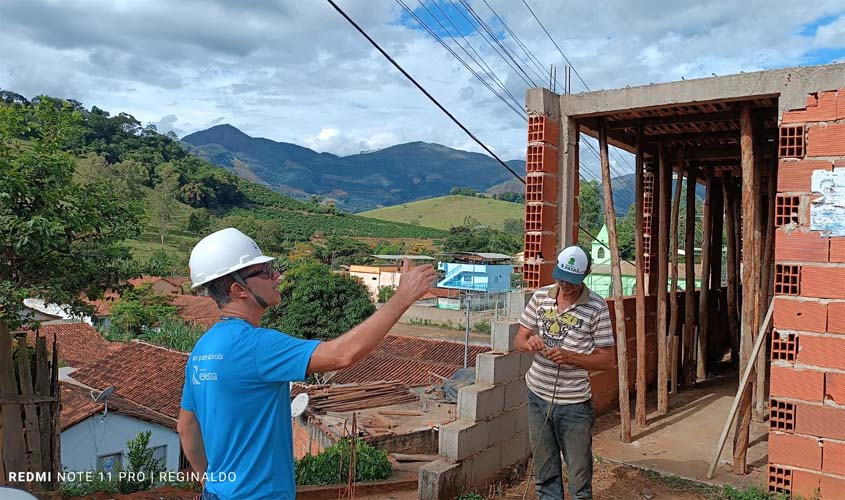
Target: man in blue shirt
235, 422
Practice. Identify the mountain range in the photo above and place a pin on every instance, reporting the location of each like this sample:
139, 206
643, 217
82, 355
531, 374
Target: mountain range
389, 176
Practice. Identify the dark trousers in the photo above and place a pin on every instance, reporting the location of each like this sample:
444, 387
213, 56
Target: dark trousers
567, 430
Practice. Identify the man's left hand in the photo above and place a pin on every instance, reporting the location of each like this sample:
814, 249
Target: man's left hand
558, 355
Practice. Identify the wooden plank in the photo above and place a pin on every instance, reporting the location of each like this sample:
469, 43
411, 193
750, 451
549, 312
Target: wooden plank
731, 265
18, 399
673, 292
13, 449
689, 295
384, 420
639, 248
742, 389
406, 413
761, 403
704, 294
33, 438
751, 255
663, 184
616, 277
42, 389
718, 116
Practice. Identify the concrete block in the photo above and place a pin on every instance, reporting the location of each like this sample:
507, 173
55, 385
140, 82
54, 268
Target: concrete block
462, 438
492, 368
482, 467
480, 401
440, 479
502, 428
526, 360
516, 449
502, 334
516, 393
521, 422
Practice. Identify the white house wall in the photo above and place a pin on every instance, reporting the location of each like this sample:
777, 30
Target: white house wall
93, 437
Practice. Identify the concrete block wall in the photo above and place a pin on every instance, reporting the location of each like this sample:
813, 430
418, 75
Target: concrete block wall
807, 416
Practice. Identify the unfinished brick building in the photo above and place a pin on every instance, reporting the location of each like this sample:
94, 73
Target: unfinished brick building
765, 146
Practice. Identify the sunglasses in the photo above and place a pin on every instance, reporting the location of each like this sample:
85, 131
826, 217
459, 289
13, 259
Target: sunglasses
265, 272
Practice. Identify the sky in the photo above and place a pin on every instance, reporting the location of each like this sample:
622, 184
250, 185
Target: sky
296, 71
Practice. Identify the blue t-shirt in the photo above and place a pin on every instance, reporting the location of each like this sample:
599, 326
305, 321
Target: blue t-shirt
237, 384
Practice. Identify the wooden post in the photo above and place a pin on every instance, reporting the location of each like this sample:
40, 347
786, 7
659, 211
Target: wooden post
731, 264
761, 404
717, 211
13, 451
42, 388
652, 287
642, 420
664, 176
616, 277
689, 265
33, 441
704, 293
752, 243
673, 292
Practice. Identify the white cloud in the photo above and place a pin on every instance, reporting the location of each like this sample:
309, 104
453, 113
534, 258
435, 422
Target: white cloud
297, 72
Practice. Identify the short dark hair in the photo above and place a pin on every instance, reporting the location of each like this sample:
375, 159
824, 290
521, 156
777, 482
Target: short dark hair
219, 290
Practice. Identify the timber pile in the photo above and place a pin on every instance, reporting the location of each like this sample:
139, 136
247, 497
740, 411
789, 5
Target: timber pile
352, 397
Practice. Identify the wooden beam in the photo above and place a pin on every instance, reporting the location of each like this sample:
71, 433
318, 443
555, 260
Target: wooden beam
761, 404
673, 293
751, 255
717, 316
689, 266
718, 153
616, 277
13, 449
639, 247
664, 169
718, 116
33, 439
704, 294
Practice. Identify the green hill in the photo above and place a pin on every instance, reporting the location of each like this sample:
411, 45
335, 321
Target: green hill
449, 211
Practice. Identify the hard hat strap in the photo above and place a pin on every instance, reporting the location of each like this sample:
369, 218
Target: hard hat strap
239, 280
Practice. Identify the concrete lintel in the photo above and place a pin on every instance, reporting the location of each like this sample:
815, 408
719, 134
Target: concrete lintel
542, 101
790, 85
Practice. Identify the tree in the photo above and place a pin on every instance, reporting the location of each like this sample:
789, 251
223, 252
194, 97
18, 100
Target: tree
137, 310
199, 221
59, 237
481, 239
590, 212
318, 304
143, 465
514, 227
626, 231
163, 203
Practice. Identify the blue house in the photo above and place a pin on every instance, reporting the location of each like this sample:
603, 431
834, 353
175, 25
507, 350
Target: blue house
479, 272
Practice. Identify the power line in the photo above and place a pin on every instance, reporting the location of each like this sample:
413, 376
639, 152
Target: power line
422, 89
556, 46
437, 103
531, 56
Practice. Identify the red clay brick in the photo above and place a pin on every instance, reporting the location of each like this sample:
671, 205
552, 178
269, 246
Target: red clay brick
819, 109
837, 247
798, 451
821, 421
832, 487
833, 457
840, 105
812, 100
802, 315
781, 416
792, 141
834, 388
542, 129
826, 140
805, 484
827, 351
803, 384
780, 479
795, 175
539, 244
805, 246
543, 188
836, 317
823, 282
541, 158
540, 217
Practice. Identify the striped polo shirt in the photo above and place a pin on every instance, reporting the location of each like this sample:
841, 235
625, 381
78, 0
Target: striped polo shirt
582, 327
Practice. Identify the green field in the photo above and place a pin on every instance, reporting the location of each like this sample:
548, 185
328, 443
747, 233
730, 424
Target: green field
449, 211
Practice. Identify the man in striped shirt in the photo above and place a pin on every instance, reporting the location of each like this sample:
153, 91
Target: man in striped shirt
568, 329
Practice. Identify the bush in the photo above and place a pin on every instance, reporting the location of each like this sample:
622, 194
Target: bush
384, 293
482, 326
332, 465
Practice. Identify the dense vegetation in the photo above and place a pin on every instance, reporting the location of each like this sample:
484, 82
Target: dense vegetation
331, 466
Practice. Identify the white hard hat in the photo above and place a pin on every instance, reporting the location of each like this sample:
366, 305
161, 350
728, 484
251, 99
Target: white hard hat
222, 253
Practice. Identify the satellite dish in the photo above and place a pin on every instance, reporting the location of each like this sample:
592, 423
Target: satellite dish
298, 405
103, 397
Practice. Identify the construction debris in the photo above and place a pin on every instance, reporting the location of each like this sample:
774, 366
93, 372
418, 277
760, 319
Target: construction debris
352, 397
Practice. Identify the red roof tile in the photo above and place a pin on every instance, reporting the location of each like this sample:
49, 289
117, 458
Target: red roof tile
77, 405
198, 309
102, 307
79, 343
145, 374
409, 360
176, 281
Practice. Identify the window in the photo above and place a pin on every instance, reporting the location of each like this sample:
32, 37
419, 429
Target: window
374, 278
109, 463
601, 253
467, 278
160, 454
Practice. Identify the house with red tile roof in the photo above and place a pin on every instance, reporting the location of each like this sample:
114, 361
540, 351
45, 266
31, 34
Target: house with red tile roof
79, 343
162, 285
94, 435
197, 309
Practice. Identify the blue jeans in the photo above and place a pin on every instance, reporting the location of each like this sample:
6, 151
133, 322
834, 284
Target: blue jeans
568, 430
